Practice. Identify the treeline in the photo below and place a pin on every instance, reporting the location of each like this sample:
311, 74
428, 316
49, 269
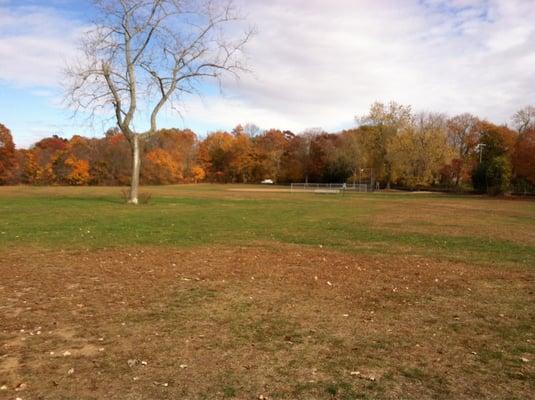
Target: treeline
392, 146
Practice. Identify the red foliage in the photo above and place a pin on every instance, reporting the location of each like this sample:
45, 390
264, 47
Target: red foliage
248, 155
54, 143
8, 158
524, 156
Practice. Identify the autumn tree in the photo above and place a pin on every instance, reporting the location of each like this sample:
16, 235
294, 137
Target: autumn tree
8, 157
295, 159
59, 168
111, 164
215, 154
180, 145
351, 153
385, 121
79, 171
493, 171
27, 166
419, 151
145, 54
524, 159
269, 147
198, 173
160, 168
327, 161
44, 159
241, 160
227, 157
463, 136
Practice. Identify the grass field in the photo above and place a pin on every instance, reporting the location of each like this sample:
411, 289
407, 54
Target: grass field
213, 292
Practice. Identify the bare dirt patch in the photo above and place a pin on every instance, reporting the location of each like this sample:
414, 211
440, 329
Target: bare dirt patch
283, 322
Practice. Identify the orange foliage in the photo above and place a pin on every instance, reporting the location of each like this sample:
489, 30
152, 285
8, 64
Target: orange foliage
8, 158
79, 174
160, 168
247, 154
198, 174
44, 175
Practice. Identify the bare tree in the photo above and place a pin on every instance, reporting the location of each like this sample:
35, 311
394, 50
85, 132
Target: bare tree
252, 129
524, 119
462, 134
144, 55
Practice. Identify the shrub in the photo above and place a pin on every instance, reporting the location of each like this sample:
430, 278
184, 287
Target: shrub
492, 176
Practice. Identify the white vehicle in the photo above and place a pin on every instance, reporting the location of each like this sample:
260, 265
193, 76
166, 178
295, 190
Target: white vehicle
267, 182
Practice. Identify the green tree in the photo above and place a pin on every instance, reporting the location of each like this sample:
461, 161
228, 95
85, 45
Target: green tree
492, 174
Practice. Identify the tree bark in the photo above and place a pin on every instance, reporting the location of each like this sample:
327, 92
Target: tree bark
136, 164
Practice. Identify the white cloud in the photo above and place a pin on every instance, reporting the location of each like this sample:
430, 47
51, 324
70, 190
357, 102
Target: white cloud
320, 63
35, 42
222, 112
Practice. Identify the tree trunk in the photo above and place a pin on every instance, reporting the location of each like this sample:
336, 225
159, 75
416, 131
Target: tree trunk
136, 164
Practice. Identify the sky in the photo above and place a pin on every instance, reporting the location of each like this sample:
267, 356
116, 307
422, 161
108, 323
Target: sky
314, 64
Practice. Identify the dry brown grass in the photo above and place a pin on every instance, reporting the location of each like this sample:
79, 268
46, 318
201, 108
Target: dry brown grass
484, 218
279, 321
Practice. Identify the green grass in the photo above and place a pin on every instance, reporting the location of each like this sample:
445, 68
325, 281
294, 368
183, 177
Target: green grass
476, 229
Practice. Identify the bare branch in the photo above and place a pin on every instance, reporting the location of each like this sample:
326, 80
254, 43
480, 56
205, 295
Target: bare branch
148, 52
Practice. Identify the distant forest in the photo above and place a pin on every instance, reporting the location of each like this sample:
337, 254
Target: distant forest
391, 145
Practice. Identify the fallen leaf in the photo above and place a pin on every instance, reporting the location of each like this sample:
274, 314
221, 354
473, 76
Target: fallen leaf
20, 386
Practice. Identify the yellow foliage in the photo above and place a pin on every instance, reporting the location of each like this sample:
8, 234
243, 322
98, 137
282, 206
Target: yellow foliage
79, 174
198, 173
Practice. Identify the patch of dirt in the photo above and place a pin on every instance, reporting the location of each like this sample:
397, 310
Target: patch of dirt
279, 321
87, 350
8, 364
9, 370
64, 333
